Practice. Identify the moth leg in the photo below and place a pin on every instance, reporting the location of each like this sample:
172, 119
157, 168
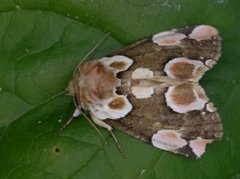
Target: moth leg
76, 113
94, 126
103, 124
100, 123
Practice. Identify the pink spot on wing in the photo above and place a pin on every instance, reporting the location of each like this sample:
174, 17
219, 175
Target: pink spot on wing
199, 145
197, 104
183, 68
203, 32
168, 38
168, 140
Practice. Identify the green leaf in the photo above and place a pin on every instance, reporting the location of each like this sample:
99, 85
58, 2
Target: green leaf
42, 41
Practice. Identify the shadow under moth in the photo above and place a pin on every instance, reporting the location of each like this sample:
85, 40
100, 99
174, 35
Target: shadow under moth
150, 90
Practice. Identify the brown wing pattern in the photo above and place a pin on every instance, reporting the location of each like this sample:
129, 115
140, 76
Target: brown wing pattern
150, 115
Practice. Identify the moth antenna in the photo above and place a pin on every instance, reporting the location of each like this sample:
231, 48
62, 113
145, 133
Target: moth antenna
94, 126
92, 50
58, 94
54, 96
118, 144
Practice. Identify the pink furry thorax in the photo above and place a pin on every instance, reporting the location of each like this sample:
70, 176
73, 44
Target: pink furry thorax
96, 82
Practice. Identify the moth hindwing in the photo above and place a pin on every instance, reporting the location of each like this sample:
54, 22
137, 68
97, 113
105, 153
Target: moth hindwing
150, 90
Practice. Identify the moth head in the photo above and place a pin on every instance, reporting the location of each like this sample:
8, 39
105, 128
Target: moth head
70, 88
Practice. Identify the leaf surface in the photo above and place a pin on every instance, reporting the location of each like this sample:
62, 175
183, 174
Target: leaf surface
42, 41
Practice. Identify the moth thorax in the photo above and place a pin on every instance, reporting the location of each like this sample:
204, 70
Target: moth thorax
93, 82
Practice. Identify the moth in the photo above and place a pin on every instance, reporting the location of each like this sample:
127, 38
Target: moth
150, 90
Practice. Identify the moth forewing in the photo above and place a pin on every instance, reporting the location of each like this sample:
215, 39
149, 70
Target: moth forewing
150, 90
